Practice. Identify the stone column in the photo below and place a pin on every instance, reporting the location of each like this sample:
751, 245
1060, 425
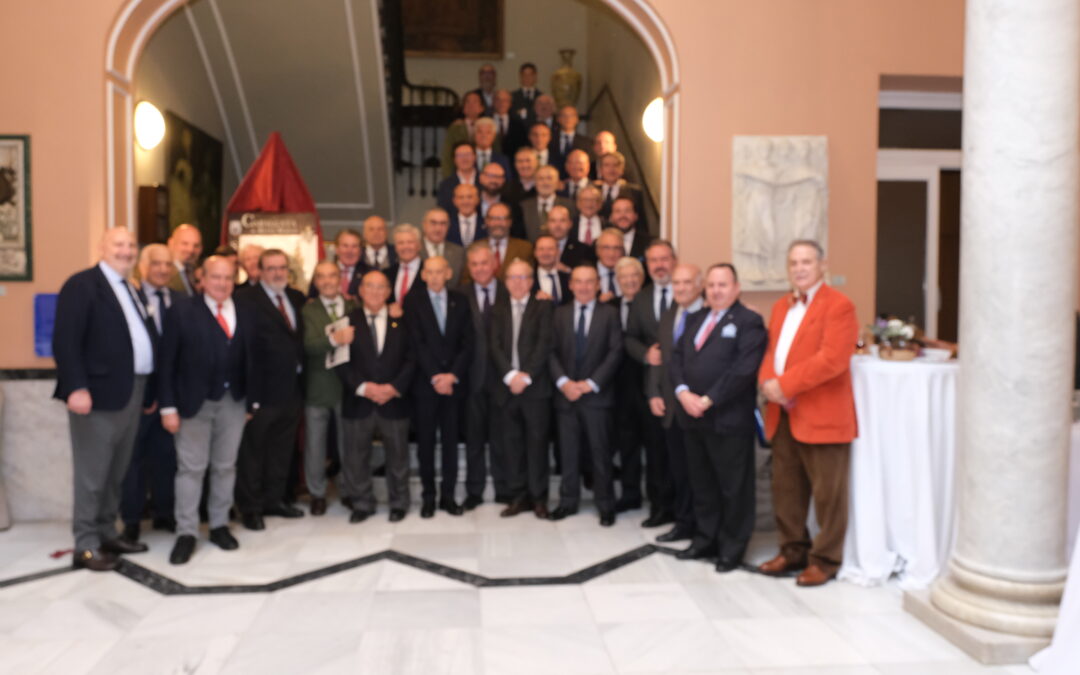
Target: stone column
1018, 278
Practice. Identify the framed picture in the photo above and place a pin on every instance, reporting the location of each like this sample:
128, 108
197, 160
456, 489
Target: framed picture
453, 28
194, 162
16, 263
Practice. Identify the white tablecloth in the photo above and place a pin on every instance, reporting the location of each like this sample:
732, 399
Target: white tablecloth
900, 517
1062, 657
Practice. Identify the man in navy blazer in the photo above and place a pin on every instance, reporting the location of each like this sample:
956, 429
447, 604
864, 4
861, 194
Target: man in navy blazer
104, 343
205, 367
550, 282
714, 369
441, 330
466, 222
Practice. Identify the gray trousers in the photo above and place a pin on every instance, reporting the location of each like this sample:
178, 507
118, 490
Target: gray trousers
316, 423
101, 445
356, 481
210, 438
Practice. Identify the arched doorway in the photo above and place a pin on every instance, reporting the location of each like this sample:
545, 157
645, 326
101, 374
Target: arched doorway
138, 20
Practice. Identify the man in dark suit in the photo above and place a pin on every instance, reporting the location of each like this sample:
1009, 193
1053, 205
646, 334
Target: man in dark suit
502, 245
348, 248
486, 145
522, 183
521, 341
463, 172
274, 394
576, 167
486, 90
571, 251
676, 503
436, 227
586, 355
185, 244
550, 282
566, 138
534, 210
205, 369
525, 96
482, 424
642, 347
540, 140
612, 186
441, 329
376, 380
631, 411
404, 275
714, 368
104, 342
635, 238
466, 224
510, 127
376, 254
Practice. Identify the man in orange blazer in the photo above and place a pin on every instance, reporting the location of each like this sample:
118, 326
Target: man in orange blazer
810, 416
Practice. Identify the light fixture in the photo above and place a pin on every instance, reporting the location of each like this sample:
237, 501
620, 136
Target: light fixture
149, 125
652, 120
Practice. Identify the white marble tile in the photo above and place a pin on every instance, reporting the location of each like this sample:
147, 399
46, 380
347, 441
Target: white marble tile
543, 650
533, 606
400, 577
840, 598
540, 566
91, 617
312, 612
25, 656
750, 596
362, 578
824, 670
449, 651
259, 653
201, 615
648, 570
617, 603
197, 655
330, 548
35, 434
969, 667
787, 642
894, 638
666, 646
438, 547
424, 609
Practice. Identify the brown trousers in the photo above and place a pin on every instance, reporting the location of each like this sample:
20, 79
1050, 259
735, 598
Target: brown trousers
802, 471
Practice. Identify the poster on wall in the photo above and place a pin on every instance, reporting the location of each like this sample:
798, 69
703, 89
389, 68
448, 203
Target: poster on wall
193, 176
16, 262
455, 29
293, 233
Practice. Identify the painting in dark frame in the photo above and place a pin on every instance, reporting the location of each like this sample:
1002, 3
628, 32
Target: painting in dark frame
453, 28
193, 177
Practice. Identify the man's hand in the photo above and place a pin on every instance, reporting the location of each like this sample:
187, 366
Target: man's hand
606, 297
344, 336
171, 422
584, 387
772, 391
395, 310
79, 402
443, 384
151, 410
375, 392
571, 390
563, 267
653, 357
543, 295
691, 403
518, 383
657, 407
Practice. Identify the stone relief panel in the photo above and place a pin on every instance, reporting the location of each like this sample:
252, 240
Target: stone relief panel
780, 193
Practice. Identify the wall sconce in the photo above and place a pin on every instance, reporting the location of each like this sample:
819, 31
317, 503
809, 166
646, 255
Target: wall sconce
149, 125
652, 120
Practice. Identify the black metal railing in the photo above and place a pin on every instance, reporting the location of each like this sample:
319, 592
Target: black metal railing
624, 137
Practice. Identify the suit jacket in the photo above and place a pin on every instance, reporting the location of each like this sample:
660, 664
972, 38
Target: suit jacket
482, 376
641, 243
454, 234
631, 190
562, 278
394, 366
817, 375
519, 102
197, 358
534, 343
515, 248
359, 270
724, 369
444, 194
437, 352
321, 387
530, 215
576, 253
176, 284
365, 267
457, 132
277, 350
643, 326
515, 137
602, 354
558, 159
501, 159
565, 190
516, 193
657, 380
418, 283
91, 342
454, 254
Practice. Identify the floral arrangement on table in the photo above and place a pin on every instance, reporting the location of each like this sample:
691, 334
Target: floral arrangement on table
896, 339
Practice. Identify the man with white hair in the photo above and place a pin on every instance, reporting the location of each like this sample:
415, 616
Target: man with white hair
404, 275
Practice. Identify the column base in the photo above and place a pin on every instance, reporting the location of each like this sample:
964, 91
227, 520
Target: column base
985, 646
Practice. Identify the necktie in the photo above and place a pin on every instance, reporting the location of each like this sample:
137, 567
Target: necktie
140, 308
713, 318
440, 313
580, 343
498, 254
284, 314
663, 302
483, 160
331, 309
222, 322
588, 232
680, 325
159, 315
519, 311
543, 211
374, 332
404, 283
565, 144
573, 188
610, 281
485, 309
466, 230
554, 286
346, 277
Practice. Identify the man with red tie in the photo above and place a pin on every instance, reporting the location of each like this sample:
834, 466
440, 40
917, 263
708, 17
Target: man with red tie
810, 416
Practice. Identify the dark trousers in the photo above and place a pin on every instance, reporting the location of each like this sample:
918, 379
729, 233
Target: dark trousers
722, 476
434, 411
481, 433
266, 453
153, 465
658, 485
631, 417
805, 471
579, 423
356, 482
682, 492
526, 425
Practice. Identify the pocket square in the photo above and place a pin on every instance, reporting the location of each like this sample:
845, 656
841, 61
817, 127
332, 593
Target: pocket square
728, 331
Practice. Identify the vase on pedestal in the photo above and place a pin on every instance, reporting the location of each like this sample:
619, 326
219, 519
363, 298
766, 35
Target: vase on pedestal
566, 82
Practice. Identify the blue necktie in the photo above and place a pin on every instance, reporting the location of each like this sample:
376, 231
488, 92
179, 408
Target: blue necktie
440, 313
580, 343
681, 325
663, 302
554, 287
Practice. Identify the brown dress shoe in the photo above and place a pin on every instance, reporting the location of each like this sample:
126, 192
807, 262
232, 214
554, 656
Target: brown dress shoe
318, 506
779, 567
519, 505
95, 561
541, 510
814, 576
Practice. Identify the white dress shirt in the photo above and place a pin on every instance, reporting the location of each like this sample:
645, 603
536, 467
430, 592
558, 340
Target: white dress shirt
273, 295
657, 296
181, 272
543, 155
517, 314
379, 258
610, 192
590, 309
792, 320
228, 310
562, 244
590, 225
434, 249
549, 282
381, 319
467, 180
628, 240
574, 187
467, 228
134, 315
498, 247
608, 282
335, 306
157, 306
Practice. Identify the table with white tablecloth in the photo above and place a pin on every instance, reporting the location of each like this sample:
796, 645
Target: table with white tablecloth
900, 516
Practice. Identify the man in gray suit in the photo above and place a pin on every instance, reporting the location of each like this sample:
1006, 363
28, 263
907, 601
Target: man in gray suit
534, 210
185, 245
436, 225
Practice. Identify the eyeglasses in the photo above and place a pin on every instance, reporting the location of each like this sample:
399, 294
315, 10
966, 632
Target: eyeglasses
519, 277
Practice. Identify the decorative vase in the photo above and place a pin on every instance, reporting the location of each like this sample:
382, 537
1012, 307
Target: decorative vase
566, 82
898, 350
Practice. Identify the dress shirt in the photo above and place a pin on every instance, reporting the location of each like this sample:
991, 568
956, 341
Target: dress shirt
379, 258
135, 315
503, 122
610, 191
590, 309
591, 225
228, 310
607, 276
562, 244
792, 320
517, 313
467, 227
544, 205
628, 240
347, 272
657, 296
713, 317
549, 282
470, 180
157, 305
181, 271
491, 287
566, 142
682, 314
573, 187
527, 185
624, 311
434, 249
380, 336
284, 300
335, 307
498, 247
483, 158
486, 204
543, 154
413, 266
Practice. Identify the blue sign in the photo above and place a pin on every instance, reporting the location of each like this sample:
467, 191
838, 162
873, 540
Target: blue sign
44, 322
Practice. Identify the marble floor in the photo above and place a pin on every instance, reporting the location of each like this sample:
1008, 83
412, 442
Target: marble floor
648, 613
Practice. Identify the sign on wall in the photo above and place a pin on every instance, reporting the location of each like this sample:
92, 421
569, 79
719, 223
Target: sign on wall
16, 263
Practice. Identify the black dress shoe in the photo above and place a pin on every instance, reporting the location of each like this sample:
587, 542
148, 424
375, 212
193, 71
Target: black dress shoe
95, 561
658, 518
503, 499
427, 510
164, 524
223, 538
130, 533
696, 553
727, 565
253, 521
471, 502
562, 512
451, 507
182, 549
318, 506
518, 505
360, 515
675, 534
396, 515
623, 505
121, 545
607, 518
284, 510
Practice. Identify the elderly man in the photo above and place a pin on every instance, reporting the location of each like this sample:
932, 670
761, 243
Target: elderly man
377, 255
612, 185
486, 143
466, 224
810, 417
185, 244
540, 140
153, 461
523, 184
249, 263
436, 226
544, 112
525, 96
511, 129
534, 210
104, 343
504, 247
589, 224
609, 249
322, 387
206, 368
576, 168
486, 90
584, 361
566, 138
551, 283
463, 173
521, 342
404, 275
571, 251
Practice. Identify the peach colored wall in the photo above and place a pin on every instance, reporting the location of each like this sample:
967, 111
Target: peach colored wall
777, 67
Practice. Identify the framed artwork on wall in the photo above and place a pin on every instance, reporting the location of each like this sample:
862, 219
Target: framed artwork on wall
194, 170
453, 28
16, 263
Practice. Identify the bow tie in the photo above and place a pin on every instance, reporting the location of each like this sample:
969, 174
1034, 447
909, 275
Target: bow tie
798, 297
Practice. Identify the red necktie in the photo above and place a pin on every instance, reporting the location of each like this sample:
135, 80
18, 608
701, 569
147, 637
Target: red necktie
588, 231
713, 318
345, 279
498, 256
404, 283
225, 324
281, 308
